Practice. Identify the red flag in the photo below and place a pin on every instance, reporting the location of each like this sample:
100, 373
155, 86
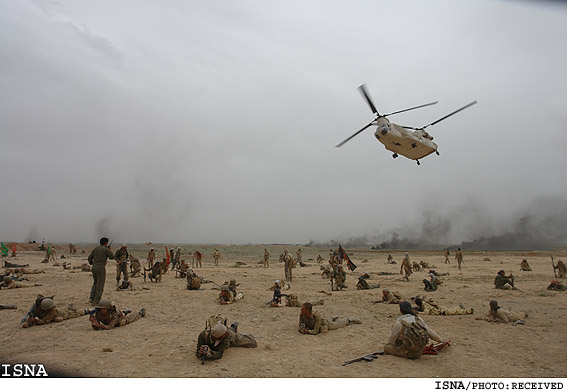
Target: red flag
343, 255
14, 250
167, 255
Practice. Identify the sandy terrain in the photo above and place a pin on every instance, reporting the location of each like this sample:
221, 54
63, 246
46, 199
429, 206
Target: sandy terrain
163, 343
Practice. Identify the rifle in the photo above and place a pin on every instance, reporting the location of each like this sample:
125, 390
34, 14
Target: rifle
366, 357
275, 299
553, 264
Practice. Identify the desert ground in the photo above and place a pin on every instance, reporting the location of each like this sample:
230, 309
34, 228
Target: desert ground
163, 343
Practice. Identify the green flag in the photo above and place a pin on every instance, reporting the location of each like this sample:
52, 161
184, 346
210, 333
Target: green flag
4, 249
49, 250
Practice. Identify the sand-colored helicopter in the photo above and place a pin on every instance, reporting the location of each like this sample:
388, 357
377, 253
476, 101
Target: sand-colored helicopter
413, 143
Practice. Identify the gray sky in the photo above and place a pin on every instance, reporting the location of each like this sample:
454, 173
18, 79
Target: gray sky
215, 122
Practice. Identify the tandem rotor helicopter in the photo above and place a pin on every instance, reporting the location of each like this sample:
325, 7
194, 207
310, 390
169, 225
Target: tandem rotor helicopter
401, 139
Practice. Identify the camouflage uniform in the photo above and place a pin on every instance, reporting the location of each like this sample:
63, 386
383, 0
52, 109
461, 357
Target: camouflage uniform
156, 272
503, 316
113, 318
459, 257
406, 267
54, 315
501, 280
525, 266
151, 257
319, 259
266, 258
430, 307
391, 298
216, 256
135, 268
121, 257
232, 339
396, 344
363, 284
288, 265
340, 277
316, 324
447, 256
561, 268
226, 297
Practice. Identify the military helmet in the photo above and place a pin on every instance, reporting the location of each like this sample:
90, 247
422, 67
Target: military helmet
47, 304
224, 288
104, 303
232, 282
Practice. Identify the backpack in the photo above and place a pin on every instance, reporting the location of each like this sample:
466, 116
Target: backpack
412, 339
193, 283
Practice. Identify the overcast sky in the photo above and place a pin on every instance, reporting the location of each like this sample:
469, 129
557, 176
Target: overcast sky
216, 122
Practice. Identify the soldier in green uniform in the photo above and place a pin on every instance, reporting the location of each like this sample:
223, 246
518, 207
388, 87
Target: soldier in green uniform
310, 322
48, 312
107, 316
211, 344
501, 280
97, 259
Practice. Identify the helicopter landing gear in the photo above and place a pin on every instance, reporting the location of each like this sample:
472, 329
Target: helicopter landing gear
437, 152
395, 155
418, 163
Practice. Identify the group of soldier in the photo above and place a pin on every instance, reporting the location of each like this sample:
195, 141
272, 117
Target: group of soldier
408, 337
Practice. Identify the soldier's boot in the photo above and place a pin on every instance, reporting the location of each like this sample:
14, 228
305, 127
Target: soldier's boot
142, 312
234, 326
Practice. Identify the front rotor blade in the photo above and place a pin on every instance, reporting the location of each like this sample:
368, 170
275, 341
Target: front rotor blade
362, 89
339, 145
448, 115
413, 108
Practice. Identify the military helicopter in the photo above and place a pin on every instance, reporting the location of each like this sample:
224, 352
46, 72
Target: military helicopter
401, 139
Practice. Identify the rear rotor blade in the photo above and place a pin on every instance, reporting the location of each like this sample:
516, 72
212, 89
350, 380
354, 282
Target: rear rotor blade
412, 108
448, 115
339, 145
363, 91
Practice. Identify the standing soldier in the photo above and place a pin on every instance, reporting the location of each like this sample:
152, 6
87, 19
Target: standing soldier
216, 256
459, 257
121, 258
266, 258
406, 267
197, 257
340, 278
447, 256
135, 268
70, 248
288, 265
561, 269
97, 259
151, 257
177, 260
298, 258
319, 259
52, 253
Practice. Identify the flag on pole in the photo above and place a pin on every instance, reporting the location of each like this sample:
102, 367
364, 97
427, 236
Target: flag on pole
167, 255
49, 250
4, 249
343, 256
14, 249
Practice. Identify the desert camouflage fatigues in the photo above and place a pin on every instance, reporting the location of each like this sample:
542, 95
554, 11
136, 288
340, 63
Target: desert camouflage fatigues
430, 307
561, 268
525, 266
391, 297
55, 315
397, 346
135, 268
216, 256
113, 318
447, 256
503, 316
266, 258
316, 324
121, 257
459, 257
500, 281
406, 268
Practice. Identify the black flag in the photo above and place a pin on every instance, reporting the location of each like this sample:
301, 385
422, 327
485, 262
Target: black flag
343, 255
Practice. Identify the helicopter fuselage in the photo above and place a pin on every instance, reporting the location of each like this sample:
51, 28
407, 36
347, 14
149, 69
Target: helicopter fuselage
411, 144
